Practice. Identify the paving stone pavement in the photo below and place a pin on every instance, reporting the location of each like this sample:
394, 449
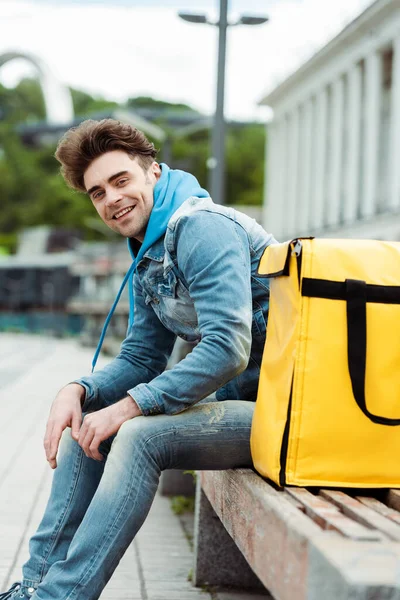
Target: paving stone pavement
32, 369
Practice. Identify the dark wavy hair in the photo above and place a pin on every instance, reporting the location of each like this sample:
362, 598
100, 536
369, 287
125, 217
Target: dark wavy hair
80, 145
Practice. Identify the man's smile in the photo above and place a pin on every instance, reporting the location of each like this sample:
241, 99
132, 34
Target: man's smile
123, 212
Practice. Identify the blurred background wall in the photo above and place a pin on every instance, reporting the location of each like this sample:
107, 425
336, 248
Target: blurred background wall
334, 142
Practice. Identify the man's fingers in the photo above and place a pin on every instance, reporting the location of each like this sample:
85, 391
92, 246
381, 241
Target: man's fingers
76, 423
53, 463
48, 445
89, 442
85, 439
51, 453
47, 439
94, 449
83, 433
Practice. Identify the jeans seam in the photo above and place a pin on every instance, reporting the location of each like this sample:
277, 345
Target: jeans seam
57, 529
91, 566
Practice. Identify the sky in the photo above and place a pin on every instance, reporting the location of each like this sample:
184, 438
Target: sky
126, 48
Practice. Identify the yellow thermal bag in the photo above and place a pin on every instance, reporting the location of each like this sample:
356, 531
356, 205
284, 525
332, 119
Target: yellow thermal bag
328, 405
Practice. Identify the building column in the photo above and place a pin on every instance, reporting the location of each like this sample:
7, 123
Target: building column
271, 188
274, 189
282, 181
304, 195
291, 212
319, 190
335, 183
354, 144
394, 173
373, 83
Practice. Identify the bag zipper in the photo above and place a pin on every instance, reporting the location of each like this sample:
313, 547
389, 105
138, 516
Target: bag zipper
285, 441
297, 251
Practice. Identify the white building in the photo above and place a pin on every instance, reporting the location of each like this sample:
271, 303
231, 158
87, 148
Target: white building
333, 166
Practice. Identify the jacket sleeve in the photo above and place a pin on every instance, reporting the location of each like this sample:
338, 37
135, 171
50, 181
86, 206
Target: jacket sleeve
142, 357
213, 255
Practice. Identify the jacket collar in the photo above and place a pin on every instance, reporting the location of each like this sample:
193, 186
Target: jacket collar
155, 252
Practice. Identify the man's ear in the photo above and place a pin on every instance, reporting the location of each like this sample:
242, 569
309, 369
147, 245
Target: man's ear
156, 170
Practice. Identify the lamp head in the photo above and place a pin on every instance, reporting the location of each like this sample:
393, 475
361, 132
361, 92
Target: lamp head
193, 18
252, 20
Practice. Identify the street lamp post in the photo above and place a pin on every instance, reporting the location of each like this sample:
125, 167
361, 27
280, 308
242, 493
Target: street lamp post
216, 162
217, 167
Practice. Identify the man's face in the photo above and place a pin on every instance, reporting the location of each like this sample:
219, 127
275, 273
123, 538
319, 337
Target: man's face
122, 193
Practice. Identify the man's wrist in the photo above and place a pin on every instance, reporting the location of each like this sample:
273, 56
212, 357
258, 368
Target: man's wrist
130, 407
78, 389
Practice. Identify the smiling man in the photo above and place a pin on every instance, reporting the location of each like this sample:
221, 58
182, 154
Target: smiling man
193, 275
123, 199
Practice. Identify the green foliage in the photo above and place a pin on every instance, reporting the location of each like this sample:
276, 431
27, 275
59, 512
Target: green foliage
182, 504
23, 104
191, 154
33, 193
244, 161
245, 165
8, 242
84, 104
148, 102
31, 189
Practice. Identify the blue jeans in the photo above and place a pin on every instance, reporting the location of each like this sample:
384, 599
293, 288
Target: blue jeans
96, 508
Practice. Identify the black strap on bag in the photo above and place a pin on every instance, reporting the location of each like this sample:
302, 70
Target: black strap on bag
356, 293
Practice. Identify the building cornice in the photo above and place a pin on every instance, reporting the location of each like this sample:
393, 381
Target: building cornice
366, 22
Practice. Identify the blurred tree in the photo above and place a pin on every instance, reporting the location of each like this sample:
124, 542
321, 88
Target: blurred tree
191, 153
244, 161
31, 190
23, 104
84, 104
245, 164
148, 102
33, 193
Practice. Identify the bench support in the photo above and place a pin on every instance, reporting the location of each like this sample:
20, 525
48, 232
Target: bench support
175, 482
217, 559
301, 546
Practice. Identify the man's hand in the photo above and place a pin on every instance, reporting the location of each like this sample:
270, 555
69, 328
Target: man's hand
66, 411
104, 423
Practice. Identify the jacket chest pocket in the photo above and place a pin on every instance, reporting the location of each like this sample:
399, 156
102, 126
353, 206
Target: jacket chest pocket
157, 285
166, 285
175, 300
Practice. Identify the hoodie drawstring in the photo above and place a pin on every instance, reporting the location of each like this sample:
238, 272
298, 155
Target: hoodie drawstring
112, 309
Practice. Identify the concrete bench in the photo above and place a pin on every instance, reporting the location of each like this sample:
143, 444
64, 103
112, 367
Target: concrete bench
300, 544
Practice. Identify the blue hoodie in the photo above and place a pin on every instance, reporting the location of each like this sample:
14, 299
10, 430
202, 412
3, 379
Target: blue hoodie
171, 190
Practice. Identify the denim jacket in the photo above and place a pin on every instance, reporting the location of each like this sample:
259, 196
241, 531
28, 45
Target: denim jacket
197, 282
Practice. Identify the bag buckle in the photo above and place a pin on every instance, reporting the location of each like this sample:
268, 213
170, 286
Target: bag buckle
297, 248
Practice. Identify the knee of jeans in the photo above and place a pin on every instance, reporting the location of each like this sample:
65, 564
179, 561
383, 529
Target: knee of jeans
137, 432
67, 444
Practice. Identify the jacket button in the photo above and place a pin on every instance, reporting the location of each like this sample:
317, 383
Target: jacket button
156, 301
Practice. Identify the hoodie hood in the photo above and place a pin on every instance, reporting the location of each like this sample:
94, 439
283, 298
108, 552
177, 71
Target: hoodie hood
170, 192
